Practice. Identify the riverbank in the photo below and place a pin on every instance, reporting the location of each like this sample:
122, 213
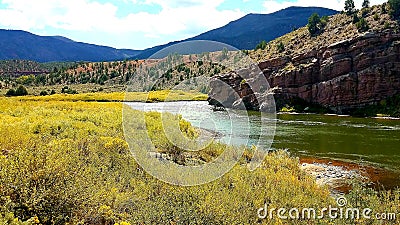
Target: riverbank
339, 175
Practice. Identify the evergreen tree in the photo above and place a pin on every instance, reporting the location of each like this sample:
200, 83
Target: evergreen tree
313, 23
349, 7
21, 91
365, 4
362, 25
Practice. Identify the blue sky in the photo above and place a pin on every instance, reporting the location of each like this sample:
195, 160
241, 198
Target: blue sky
137, 24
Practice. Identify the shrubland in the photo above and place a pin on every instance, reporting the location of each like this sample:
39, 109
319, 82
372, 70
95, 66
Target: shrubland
65, 162
152, 96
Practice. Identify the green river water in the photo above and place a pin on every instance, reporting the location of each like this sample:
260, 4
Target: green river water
374, 142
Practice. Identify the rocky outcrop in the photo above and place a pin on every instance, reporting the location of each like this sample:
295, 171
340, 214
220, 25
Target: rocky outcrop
343, 76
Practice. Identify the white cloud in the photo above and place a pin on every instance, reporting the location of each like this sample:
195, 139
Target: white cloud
176, 16
98, 22
273, 6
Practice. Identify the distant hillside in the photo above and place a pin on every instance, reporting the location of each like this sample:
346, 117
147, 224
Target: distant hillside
16, 44
248, 31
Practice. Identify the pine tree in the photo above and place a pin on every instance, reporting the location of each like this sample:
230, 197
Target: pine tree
313, 23
365, 4
349, 7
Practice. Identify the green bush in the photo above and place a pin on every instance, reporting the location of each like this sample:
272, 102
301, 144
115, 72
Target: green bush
387, 25
67, 90
10, 92
43, 93
362, 25
25, 80
324, 20
262, 45
21, 91
316, 24
364, 12
280, 47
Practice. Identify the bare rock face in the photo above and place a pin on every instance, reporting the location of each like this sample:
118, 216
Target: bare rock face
344, 76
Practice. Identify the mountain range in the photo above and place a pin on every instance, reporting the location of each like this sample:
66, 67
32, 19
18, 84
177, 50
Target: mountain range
17, 44
248, 31
244, 33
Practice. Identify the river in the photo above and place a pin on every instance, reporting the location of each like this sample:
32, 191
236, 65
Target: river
365, 141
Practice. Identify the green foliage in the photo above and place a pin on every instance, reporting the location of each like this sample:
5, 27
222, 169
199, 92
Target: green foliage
11, 92
262, 45
280, 47
21, 91
395, 7
67, 90
40, 79
355, 19
387, 25
316, 24
349, 7
365, 4
288, 108
25, 80
313, 23
389, 106
362, 25
44, 93
301, 106
324, 21
364, 12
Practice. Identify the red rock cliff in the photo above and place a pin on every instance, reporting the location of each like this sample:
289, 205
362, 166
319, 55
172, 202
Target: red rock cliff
346, 75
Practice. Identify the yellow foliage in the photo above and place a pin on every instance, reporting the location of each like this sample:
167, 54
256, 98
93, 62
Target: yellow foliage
153, 96
67, 162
